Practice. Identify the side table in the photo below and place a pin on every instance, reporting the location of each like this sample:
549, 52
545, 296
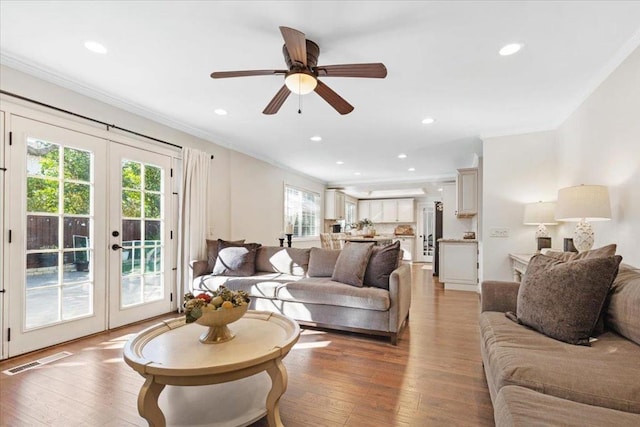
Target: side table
519, 263
170, 354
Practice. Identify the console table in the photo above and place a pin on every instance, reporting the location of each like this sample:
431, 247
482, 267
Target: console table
171, 354
519, 263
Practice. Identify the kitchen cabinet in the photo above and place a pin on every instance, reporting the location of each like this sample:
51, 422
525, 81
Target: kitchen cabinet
334, 203
458, 268
375, 211
467, 192
387, 210
363, 209
407, 244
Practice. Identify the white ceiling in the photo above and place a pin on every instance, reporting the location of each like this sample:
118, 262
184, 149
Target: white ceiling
442, 60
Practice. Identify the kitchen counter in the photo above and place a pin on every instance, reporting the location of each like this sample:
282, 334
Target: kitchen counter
378, 240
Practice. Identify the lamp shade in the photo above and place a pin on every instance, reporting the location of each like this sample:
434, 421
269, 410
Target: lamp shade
589, 202
540, 213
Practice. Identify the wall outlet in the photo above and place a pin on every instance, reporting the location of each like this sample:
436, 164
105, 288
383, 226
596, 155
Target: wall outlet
499, 232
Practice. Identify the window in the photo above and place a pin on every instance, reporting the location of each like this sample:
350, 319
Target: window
302, 210
350, 213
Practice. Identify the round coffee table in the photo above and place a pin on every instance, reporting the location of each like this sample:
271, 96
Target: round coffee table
171, 354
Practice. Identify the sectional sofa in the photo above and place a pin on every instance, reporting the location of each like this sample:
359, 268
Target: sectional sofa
537, 380
301, 283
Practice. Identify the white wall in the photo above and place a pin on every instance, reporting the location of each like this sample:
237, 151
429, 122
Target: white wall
246, 194
600, 144
516, 169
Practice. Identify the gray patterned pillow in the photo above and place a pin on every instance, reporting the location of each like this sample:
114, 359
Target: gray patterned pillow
234, 260
352, 263
563, 299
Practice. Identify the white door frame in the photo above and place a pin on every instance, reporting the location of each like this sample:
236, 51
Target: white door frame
3, 260
421, 233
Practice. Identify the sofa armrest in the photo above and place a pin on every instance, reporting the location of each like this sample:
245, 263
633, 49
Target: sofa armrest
199, 267
400, 296
499, 296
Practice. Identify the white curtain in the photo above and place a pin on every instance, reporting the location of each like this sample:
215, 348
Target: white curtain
192, 226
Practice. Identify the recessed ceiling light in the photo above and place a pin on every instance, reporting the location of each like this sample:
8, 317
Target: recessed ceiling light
439, 189
316, 138
428, 120
339, 162
357, 173
402, 156
411, 169
95, 47
220, 112
510, 49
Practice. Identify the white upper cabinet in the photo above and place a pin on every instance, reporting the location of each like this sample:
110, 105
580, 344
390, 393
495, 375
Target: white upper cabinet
467, 189
334, 203
406, 210
375, 211
363, 209
388, 210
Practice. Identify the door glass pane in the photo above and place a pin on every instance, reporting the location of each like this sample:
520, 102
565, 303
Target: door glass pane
59, 280
142, 224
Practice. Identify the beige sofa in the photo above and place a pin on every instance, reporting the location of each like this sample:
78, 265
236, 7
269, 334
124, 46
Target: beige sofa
297, 282
536, 380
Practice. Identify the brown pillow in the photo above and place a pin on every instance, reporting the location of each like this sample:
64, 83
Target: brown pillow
352, 263
563, 299
384, 259
212, 252
322, 262
234, 260
605, 251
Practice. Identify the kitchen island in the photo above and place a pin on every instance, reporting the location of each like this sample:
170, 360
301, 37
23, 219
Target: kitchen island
378, 240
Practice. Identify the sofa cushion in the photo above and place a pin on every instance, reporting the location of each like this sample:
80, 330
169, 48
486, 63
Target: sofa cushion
518, 407
275, 259
602, 252
623, 312
322, 262
605, 374
563, 299
383, 260
234, 260
212, 252
352, 263
328, 292
262, 285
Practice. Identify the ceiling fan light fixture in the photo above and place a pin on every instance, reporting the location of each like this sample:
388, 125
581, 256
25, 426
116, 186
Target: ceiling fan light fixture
301, 83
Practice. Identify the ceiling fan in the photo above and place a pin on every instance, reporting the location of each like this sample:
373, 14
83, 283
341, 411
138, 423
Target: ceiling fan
301, 77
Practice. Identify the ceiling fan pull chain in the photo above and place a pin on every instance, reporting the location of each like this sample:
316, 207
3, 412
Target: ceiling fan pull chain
299, 104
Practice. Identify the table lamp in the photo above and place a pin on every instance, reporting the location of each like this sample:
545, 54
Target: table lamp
540, 214
583, 203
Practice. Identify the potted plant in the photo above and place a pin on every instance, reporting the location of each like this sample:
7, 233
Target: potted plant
366, 227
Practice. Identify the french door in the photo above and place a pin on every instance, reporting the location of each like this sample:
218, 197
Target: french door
138, 234
88, 248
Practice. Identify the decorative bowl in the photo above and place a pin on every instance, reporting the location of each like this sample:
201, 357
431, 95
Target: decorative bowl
217, 321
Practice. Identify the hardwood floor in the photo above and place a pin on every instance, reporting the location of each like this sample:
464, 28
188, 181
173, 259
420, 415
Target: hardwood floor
433, 377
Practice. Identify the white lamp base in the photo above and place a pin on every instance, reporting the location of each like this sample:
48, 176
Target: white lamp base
542, 231
583, 236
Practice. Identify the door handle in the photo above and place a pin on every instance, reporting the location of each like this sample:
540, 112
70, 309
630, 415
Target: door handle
116, 246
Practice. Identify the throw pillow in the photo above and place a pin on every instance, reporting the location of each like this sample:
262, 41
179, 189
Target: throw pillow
563, 299
352, 263
384, 259
234, 260
294, 261
212, 252
322, 262
605, 251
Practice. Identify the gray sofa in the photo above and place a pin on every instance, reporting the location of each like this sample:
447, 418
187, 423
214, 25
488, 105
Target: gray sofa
536, 380
297, 282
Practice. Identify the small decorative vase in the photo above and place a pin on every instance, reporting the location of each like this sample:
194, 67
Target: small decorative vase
217, 321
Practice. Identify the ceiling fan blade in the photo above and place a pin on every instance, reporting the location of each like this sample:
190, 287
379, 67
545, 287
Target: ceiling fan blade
296, 43
277, 101
335, 100
375, 70
226, 74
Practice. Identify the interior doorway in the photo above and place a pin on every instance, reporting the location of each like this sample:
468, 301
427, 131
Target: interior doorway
425, 244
